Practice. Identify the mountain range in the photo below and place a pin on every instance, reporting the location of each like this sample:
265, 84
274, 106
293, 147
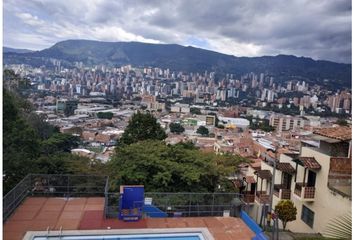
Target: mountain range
181, 58
15, 50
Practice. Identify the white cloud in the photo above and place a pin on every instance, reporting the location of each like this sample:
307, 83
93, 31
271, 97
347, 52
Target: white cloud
315, 28
27, 18
231, 47
112, 33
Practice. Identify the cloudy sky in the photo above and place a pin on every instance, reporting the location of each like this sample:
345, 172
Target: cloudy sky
320, 29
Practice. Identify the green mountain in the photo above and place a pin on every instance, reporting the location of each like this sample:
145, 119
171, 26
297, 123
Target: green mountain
180, 58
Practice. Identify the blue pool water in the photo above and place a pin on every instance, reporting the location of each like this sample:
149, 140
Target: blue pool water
167, 236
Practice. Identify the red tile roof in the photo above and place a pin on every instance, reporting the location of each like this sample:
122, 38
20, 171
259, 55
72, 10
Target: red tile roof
340, 133
310, 162
264, 174
285, 167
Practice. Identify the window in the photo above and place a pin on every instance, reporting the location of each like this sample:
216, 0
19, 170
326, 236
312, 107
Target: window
307, 215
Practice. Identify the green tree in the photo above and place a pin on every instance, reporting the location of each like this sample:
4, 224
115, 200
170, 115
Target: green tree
203, 131
66, 163
59, 142
43, 129
26, 136
176, 128
342, 122
20, 143
105, 115
286, 211
195, 111
170, 168
142, 126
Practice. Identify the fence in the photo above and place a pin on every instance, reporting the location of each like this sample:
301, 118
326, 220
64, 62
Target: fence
187, 204
183, 204
54, 185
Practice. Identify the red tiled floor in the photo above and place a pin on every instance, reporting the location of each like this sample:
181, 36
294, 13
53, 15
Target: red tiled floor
75, 207
92, 207
117, 224
91, 220
37, 201
71, 215
24, 215
55, 201
44, 215
176, 223
13, 235
87, 214
156, 223
95, 200
42, 225
25, 207
53, 207
76, 201
68, 224
17, 226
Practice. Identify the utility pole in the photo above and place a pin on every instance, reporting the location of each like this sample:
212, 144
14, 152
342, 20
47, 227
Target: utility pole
274, 161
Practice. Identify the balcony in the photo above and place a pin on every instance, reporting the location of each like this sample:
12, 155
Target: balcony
248, 197
304, 192
281, 191
262, 197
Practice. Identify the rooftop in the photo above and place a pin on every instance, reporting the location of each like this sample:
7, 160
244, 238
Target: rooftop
39, 213
55, 202
340, 133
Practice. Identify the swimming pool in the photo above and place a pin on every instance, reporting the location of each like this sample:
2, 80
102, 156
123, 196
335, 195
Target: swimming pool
123, 234
171, 236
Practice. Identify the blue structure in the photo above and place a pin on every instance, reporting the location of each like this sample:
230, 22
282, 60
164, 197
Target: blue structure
131, 202
154, 212
253, 226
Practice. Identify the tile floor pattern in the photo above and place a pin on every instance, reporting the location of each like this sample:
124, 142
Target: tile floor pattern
39, 213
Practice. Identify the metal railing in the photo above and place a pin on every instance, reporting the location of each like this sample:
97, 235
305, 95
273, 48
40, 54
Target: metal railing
13, 198
184, 204
53, 185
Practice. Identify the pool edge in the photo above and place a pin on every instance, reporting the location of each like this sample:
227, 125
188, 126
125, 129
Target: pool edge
203, 231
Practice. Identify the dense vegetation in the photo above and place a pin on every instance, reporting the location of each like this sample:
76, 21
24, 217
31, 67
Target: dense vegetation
143, 158
172, 168
190, 59
30, 145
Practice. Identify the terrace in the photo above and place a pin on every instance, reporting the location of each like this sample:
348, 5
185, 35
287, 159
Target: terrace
68, 202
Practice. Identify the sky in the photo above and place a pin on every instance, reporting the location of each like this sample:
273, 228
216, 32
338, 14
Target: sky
320, 29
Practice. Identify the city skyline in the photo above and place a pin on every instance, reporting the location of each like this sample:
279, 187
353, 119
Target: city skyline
320, 30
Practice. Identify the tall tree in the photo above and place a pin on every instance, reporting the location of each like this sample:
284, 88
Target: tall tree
203, 131
176, 128
142, 126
